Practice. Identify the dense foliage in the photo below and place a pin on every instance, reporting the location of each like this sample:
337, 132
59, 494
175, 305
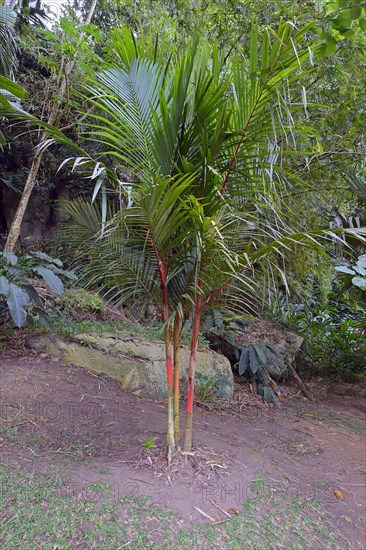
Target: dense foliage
18, 290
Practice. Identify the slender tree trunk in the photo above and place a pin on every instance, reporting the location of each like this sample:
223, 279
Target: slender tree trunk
187, 437
176, 398
168, 348
19, 215
169, 369
15, 227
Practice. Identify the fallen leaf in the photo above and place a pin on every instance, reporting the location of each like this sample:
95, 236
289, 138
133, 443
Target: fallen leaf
346, 518
233, 511
339, 495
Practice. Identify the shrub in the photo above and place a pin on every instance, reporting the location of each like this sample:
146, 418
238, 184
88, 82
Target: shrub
333, 344
353, 279
81, 300
18, 296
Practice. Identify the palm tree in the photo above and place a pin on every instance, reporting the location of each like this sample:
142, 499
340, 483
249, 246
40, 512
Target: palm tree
8, 47
207, 146
9, 91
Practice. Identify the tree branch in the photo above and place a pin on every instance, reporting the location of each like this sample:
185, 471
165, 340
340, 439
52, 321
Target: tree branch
78, 120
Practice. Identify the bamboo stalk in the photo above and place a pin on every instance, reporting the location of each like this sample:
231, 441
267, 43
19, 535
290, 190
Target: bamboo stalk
169, 368
221, 509
162, 264
176, 376
187, 437
213, 520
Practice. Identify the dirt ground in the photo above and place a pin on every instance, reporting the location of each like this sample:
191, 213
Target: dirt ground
56, 414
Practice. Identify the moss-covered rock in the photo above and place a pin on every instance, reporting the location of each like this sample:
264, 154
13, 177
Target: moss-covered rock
138, 364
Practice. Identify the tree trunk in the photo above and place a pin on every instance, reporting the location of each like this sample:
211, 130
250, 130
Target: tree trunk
169, 368
300, 383
187, 437
176, 397
15, 227
23, 203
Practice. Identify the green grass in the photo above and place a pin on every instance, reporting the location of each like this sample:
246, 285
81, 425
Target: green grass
47, 512
148, 332
290, 524
331, 418
66, 328
145, 331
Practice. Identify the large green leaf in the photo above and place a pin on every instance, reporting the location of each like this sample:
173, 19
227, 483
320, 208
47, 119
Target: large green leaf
13, 89
129, 98
50, 279
10, 257
360, 282
4, 285
17, 302
253, 360
44, 256
361, 264
243, 361
33, 294
68, 274
344, 269
260, 350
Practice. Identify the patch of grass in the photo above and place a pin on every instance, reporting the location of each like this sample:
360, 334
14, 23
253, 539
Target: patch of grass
48, 511
63, 326
8, 434
149, 332
331, 418
292, 524
152, 332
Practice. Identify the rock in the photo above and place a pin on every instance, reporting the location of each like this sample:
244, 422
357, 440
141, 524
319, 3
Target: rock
138, 364
151, 312
283, 342
275, 346
36, 215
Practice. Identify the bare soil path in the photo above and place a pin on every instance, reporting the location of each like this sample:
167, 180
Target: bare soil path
87, 427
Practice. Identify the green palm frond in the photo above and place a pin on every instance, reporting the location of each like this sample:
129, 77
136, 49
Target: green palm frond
7, 15
186, 116
8, 49
10, 92
123, 261
8, 46
357, 184
126, 47
127, 98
